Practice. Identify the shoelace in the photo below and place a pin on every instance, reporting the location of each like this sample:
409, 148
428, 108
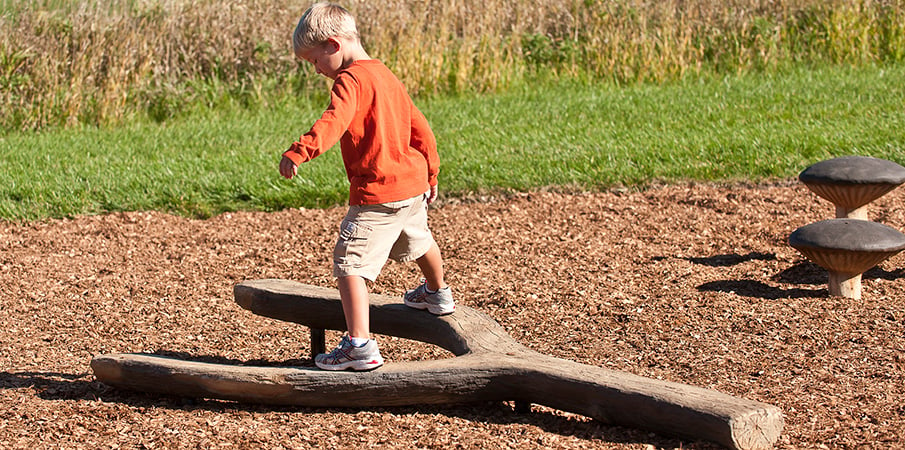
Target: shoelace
339, 352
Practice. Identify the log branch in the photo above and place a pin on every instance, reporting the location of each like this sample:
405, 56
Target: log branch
489, 366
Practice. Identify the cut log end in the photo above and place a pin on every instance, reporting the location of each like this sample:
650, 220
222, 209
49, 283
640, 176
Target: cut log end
757, 430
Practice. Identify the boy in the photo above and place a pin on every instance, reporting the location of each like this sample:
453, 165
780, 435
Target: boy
391, 160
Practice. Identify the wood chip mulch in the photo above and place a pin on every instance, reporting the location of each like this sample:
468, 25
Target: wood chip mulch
693, 283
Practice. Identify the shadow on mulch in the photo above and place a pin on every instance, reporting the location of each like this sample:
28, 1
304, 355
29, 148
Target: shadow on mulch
804, 272
64, 386
807, 272
54, 385
731, 259
752, 288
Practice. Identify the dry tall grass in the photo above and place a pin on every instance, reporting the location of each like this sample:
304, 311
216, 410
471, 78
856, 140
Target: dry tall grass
103, 61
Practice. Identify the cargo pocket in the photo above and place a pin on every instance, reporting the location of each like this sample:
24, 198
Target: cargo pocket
351, 247
351, 231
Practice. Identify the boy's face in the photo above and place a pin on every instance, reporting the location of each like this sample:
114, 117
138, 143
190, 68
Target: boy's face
326, 58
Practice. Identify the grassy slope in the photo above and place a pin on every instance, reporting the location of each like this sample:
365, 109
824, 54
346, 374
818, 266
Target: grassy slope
751, 127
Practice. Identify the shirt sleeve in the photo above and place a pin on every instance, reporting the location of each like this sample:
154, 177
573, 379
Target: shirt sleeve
424, 141
333, 123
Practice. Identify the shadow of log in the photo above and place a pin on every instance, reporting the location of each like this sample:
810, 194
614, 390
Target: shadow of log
53, 385
217, 359
489, 366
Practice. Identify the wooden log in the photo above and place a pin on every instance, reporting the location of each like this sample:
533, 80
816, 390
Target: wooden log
489, 366
466, 331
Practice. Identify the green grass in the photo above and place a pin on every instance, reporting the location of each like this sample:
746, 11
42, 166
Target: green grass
754, 127
751, 127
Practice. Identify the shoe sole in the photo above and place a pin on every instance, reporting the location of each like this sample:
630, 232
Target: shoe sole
436, 310
358, 366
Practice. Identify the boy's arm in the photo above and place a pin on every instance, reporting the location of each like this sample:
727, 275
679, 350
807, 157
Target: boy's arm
424, 141
327, 130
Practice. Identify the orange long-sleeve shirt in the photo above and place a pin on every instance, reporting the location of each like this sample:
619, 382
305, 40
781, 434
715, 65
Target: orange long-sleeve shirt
388, 148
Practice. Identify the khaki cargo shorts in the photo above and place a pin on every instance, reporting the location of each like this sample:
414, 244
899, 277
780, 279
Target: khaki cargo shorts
369, 235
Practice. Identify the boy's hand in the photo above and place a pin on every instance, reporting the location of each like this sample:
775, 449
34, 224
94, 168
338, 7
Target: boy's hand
432, 195
288, 169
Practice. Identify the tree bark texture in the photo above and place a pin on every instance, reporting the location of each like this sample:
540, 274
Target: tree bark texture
489, 366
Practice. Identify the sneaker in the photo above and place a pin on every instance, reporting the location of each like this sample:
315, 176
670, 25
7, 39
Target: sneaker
347, 356
438, 303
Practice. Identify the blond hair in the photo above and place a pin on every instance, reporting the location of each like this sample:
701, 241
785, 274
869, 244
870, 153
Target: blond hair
321, 22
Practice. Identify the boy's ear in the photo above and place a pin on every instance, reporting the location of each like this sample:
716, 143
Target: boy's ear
333, 44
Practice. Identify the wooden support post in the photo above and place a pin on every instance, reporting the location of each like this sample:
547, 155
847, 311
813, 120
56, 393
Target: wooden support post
844, 285
843, 212
489, 366
318, 341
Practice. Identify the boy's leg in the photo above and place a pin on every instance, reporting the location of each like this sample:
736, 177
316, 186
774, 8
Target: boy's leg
348, 355
433, 295
354, 294
431, 265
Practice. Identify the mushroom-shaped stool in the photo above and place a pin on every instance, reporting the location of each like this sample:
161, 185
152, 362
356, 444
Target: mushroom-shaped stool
851, 182
847, 248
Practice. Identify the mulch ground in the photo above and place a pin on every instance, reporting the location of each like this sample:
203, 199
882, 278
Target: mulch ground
688, 283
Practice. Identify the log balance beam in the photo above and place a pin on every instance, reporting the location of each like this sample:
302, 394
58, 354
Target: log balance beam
489, 366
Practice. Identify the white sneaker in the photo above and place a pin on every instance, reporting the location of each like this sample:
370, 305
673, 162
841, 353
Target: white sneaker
347, 356
438, 303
